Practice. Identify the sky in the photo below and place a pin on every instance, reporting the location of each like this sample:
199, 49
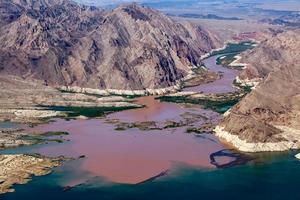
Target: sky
266, 4
104, 2
116, 2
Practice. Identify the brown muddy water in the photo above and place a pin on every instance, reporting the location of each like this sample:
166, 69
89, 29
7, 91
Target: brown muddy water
167, 163
222, 85
133, 155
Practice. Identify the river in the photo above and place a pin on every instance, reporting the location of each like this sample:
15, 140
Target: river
222, 85
165, 163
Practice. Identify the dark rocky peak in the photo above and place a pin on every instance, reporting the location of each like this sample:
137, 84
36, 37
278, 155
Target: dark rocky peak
136, 12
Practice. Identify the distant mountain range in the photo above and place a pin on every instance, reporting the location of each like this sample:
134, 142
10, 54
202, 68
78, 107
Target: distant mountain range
208, 16
291, 20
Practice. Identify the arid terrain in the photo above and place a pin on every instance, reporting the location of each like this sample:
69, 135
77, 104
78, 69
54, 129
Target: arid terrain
126, 93
64, 60
17, 169
268, 118
130, 47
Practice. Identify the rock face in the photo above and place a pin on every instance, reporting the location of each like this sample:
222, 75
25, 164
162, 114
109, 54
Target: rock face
130, 47
268, 119
271, 55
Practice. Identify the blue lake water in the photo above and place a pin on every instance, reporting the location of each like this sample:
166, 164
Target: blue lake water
273, 176
8, 124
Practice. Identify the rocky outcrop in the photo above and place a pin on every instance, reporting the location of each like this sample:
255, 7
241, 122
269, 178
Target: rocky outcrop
271, 56
244, 145
268, 119
11, 138
16, 137
24, 166
66, 44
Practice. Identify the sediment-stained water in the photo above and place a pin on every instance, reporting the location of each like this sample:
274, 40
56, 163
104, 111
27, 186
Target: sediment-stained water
133, 155
8, 124
223, 85
160, 162
275, 176
159, 111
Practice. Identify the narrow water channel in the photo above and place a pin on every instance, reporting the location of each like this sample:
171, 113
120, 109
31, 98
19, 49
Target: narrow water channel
222, 85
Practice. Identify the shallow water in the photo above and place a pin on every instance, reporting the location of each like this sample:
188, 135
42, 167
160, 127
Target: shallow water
9, 125
158, 111
154, 111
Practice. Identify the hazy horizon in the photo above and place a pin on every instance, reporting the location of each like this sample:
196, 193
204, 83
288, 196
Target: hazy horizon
292, 5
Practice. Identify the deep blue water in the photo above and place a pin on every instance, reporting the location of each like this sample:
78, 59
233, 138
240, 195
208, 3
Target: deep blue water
271, 176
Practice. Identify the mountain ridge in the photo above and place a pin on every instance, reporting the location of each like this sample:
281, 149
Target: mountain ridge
130, 47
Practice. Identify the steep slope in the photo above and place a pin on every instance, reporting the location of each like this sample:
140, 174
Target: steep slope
271, 56
268, 119
130, 47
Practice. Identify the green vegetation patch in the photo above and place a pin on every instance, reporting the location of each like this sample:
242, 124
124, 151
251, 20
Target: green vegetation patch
195, 130
73, 111
247, 89
235, 48
187, 119
220, 106
39, 139
143, 126
202, 76
54, 133
206, 128
225, 60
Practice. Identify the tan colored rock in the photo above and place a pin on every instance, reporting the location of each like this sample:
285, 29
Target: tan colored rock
37, 113
18, 169
130, 47
269, 117
28, 101
244, 145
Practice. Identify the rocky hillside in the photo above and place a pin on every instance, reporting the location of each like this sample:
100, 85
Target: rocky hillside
271, 55
268, 119
130, 47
